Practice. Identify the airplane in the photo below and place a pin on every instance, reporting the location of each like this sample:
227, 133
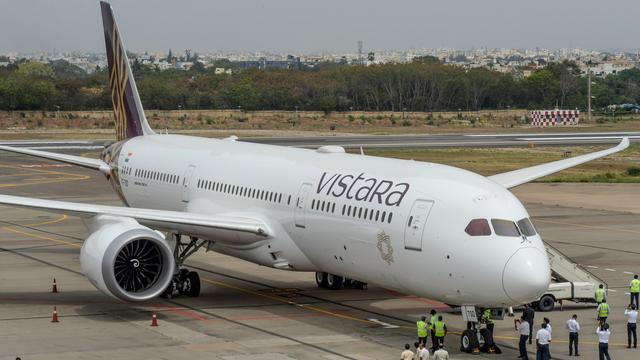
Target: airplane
420, 228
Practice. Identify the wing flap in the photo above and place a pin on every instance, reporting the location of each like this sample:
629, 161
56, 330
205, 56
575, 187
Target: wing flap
518, 177
182, 222
95, 164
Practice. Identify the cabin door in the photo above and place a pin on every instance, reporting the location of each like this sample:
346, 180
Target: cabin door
186, 179
303, 196
415, 224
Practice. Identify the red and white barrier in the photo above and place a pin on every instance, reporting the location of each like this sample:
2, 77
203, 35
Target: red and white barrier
543, 118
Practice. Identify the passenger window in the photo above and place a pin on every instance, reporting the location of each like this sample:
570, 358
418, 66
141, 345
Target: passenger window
377, 214
526, 227
333, 208
313, 204
505, 227
344, 207
389, 219
359, 213
478, 227
289, 200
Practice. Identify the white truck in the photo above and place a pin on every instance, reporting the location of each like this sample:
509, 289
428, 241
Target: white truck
571, 282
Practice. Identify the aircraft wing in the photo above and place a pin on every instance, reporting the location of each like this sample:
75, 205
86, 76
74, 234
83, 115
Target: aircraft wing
182, 222
95, 164
518, 177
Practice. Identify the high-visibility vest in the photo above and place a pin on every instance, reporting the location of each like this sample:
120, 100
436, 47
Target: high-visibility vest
422, 328
487, 316
604, 310
432, 323
599, 295
635, 286
439, 328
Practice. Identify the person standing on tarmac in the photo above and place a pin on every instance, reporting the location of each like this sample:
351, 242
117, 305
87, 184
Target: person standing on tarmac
422, 353
632, 320
486, 317
524, 329
528, 313
440, 329
603, 311
634, 291
543, 338
422, 330
600, 295
441, 353
550, 330
603, 341
407, 354
432, 323
574, 329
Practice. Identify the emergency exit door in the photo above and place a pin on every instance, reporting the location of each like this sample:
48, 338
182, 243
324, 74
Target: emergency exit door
301, 201
416, 223
186, 179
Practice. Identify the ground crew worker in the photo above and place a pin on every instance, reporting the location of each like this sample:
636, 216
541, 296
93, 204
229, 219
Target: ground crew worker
574, 329
422, 330
601, 295
543, 338
486, 317
440, 329
603, 341
407, 354
432, 324
603, 311
523, 328
632, 320
528, 313
550, 330
634, 290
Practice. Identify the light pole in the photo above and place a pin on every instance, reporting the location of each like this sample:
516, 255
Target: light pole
589, 90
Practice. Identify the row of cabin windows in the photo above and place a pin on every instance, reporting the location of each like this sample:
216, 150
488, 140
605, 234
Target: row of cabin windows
243, 191
366, 213
125, 170
157, 176
321, 205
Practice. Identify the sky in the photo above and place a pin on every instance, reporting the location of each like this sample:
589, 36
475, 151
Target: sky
302, 26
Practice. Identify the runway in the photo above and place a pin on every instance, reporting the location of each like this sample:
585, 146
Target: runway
252, 312
382, 141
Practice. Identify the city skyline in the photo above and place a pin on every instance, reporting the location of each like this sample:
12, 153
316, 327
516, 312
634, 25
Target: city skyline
287, 26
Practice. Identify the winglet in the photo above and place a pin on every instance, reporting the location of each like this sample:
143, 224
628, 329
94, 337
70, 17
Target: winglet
129, 115
521, 176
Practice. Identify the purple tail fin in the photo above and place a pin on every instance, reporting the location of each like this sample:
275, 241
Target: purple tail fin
127, 108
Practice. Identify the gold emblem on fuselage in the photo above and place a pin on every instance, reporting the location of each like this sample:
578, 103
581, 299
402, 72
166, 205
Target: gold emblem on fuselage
385, 248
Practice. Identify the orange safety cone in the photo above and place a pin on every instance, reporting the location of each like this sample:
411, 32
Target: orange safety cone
55, 286
154, 320
55, 315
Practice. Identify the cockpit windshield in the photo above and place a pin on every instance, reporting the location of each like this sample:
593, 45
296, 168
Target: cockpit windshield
478, 227
526, 227
505, 227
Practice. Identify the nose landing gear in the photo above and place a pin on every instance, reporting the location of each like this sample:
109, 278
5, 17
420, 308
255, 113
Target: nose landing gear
477, 339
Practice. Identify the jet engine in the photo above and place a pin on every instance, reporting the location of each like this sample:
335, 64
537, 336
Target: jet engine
126, 260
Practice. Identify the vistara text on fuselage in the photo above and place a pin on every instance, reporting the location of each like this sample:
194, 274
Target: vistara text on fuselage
405, 225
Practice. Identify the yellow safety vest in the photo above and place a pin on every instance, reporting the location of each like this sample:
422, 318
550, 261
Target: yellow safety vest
635, 286
434, 318
604, 310
439, 328
599, 295
487, 316
422, 328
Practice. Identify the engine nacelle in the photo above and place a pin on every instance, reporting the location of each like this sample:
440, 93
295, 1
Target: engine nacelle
125, 259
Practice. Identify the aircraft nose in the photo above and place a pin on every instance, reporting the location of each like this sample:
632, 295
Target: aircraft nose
526, 275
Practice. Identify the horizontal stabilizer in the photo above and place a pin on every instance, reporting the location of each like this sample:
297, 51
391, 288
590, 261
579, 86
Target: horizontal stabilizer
95, 164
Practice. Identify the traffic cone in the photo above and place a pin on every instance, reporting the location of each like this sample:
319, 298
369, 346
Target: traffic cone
55, 315
154, 320
55, 286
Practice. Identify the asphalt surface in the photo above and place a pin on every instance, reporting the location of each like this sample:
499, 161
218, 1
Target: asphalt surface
391, 141
250, 312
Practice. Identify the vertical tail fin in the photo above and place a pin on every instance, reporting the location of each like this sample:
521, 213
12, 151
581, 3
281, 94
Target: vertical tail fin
127, 108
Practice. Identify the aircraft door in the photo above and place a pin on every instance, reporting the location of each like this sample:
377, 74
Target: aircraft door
186, 179
303, 195
416, 223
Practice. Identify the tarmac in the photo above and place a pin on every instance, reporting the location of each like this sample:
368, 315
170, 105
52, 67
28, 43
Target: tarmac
250, 312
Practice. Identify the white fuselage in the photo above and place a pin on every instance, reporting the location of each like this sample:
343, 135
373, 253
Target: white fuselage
396, 223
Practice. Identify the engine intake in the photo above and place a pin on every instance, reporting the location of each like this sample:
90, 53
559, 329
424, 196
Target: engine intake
127, 260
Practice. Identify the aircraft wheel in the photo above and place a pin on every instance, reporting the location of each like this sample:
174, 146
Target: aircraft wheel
334, 282
321, 279
168, 292
193, 279
468, 341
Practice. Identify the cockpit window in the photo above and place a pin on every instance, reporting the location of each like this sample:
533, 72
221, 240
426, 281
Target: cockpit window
478, 227
505, 227
526, 227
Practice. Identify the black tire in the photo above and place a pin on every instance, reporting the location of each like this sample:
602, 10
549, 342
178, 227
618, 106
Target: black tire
193, 288
321, 279
468, 341
334, 282
168, 292
546, 303
487, 340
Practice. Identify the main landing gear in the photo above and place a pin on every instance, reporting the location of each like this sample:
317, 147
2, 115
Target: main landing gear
477, 339
336, 282
184, 282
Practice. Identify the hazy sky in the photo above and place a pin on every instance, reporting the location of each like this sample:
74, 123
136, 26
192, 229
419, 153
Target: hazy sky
321, 25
